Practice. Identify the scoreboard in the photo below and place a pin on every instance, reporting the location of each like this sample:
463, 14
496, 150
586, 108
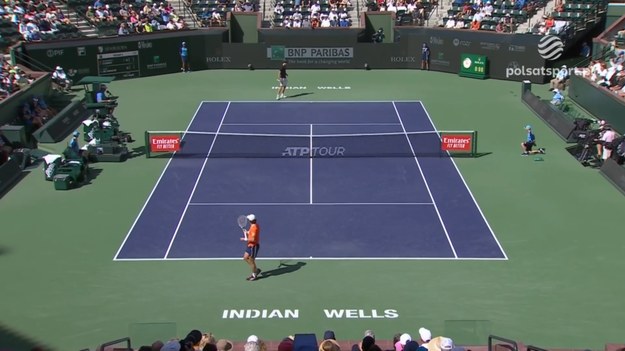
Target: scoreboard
119, 64
473, 66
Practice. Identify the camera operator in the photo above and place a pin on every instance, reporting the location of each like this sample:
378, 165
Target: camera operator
604, 142
378, 37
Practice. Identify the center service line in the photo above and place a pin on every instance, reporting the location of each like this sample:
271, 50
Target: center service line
311, 164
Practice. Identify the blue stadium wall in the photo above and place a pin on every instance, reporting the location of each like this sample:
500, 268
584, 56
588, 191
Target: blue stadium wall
157, 53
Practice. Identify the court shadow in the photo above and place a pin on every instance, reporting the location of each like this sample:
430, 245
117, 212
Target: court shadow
476, 155
283, 268
298, 95
137, 152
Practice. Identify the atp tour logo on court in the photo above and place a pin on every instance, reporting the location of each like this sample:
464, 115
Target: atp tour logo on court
457, 142
164, 143
550, 47
315, 151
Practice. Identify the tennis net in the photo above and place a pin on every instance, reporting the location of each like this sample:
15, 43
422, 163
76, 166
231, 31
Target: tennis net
248, 145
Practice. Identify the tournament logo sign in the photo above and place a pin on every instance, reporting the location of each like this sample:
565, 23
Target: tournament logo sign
550, 47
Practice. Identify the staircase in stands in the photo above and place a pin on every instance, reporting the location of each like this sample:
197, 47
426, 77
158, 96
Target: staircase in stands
83, 26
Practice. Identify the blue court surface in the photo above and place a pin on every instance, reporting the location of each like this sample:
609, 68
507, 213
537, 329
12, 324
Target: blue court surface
391, 201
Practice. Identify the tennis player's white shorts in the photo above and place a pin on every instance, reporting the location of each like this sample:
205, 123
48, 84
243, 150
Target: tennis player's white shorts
283, 82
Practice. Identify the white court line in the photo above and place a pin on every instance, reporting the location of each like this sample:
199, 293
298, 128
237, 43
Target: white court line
309, 204
425, 182
318, 259
469, 190
363, 102
145, 204
306, 124
311, 166
197, 181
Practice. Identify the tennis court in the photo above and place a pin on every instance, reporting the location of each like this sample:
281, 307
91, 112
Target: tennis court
371, 183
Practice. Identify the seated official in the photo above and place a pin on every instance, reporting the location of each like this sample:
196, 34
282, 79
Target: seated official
558, 98
103, 96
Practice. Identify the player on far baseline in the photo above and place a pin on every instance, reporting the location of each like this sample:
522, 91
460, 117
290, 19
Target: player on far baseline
253, 245
283, 80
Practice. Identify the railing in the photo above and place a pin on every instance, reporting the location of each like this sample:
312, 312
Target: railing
186, 9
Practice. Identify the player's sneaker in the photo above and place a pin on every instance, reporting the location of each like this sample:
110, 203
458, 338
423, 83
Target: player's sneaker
251, 277
542, 150
283, 96
525, 154
278, 97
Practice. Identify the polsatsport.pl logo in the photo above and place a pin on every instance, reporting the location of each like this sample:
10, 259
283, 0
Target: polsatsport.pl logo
550, 48
516, 70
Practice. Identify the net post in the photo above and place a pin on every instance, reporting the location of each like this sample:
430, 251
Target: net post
474, 148
147, 144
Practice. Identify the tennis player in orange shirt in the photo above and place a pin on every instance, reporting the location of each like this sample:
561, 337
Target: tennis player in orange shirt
253, 245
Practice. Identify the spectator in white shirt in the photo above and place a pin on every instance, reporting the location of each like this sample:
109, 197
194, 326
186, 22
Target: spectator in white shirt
488, 9
451, 23
279, 9
297, 23
315, 8
325, 21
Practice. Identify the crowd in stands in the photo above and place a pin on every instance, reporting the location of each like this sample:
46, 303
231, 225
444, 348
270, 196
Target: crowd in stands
130, 18
312, 14
36, 20
498, 15
13, 79
213, 13
609, 75
406, 11
197, 341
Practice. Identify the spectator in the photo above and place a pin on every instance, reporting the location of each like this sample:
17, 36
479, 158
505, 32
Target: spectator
558, 98
123, 29
620, 58
424, 336
585, 51
604, 144
329, 345
226, 345
559, 82
475, 25
285, 345
59, 77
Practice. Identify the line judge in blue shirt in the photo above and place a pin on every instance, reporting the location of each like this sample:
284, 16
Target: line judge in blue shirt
529, 143
184, 57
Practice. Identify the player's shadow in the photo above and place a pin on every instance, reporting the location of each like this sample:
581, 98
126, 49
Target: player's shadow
283, 268
298, 95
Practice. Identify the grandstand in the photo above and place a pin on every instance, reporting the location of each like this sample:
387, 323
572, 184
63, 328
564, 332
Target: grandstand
148, 249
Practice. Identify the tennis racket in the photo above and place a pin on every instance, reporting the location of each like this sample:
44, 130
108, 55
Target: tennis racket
243, 222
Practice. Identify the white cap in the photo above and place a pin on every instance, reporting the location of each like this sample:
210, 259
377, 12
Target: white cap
404, 338
446, 344
425, 334
58, 68
252, 338
250, 218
